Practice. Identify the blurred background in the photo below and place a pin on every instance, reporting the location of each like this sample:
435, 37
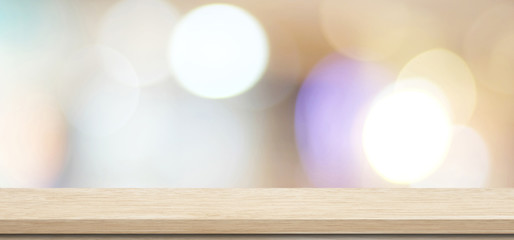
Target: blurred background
247, 93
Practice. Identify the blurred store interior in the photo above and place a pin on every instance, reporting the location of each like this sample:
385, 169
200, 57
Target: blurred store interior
251, 93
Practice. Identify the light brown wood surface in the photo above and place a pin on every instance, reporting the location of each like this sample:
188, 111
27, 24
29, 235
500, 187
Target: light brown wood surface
256, 237
256, 211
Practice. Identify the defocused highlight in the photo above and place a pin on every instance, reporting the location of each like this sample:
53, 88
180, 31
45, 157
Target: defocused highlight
248, 93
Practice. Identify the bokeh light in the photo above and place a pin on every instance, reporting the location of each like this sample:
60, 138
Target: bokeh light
218, 51
450, 74
407, 133
100, 89
467, 163
32, 138
150, 21
320, 93
329, 111
282, 77
489, 47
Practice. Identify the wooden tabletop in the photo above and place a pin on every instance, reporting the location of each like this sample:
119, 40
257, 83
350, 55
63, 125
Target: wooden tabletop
256, 211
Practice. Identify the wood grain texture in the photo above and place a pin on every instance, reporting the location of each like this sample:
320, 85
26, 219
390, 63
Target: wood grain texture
257, 211
256, 237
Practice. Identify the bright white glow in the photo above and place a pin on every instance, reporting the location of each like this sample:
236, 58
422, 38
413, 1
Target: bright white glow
218, 51
406, 133
467, 163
